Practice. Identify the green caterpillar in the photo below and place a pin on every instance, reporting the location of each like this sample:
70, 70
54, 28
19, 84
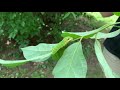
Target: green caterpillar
61, 44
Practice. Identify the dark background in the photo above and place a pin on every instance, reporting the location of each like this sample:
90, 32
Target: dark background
60, 5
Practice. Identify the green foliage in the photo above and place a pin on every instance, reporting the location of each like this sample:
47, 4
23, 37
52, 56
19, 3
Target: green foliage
72, 64
68, 52
85, 35
15, 63
116, 13
59, 53
38, 53
31, 28
108, 72
61, 44
58, 50
101, 35
18, 26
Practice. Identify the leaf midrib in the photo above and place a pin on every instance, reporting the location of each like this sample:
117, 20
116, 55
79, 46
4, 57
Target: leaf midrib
38, 50
72, 60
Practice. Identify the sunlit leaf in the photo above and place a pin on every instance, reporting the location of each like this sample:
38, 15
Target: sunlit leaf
72, 64
70, 34
101, 35
86, 34
106, 69
38, 53
14, 63
116, 13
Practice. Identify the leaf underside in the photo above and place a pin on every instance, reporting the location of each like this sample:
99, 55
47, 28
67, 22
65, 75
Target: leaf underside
72, 64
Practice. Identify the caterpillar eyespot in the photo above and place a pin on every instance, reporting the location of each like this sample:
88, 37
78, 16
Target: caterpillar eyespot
61, 44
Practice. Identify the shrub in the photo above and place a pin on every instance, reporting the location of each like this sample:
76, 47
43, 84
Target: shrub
30, 28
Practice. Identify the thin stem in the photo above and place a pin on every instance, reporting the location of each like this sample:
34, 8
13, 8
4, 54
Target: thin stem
81, 39
76, 39
117, 26
96, 36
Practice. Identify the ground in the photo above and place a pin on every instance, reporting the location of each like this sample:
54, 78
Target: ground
43, 70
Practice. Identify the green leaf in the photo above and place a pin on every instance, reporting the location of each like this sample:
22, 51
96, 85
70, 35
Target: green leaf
1, 23
1, 31
116, 13
23, 23
72, 64
61, 44
14, 63
13, 34
74, 15
101, 35
41, 58
66, 15
42, 13
38, 53
70, 34
106, 69
58, 54
86, 34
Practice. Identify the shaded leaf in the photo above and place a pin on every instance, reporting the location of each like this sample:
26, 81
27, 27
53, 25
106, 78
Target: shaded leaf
74, 15
66, 15
58, 54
